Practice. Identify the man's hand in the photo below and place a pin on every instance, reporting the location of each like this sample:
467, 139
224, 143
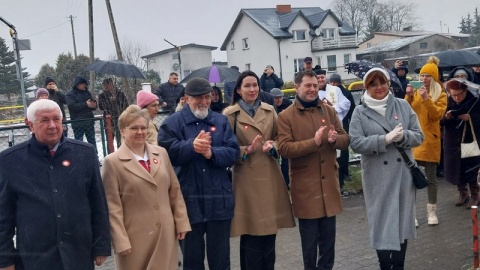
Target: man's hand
398, 64
464, 117
319, 135
99, 260
332, 134
203, 143
91, 103
448, 115
11, 267
164, 104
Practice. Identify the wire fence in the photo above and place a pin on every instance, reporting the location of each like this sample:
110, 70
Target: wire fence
89, 130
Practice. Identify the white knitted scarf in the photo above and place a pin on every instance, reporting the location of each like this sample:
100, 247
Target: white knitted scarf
378, 105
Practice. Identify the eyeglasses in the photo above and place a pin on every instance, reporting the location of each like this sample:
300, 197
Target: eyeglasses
458, 95
138, 128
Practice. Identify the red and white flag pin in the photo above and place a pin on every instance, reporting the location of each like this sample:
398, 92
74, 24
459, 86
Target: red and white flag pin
213, 128
66, 163
155, 161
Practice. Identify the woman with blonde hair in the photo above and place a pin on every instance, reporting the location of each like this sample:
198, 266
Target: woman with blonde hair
429, 103
147, 211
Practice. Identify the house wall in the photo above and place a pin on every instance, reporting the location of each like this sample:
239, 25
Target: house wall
192, 59
379, 38
263, 49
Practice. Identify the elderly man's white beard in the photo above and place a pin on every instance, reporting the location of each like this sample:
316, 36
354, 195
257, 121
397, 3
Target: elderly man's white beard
200, 113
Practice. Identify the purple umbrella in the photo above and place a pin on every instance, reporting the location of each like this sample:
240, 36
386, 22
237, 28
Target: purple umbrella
214, 76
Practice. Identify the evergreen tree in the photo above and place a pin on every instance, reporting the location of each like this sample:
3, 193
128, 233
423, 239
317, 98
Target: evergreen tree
45, 70
9, 84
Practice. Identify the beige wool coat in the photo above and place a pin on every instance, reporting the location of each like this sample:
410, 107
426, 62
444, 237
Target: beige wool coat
147, 210
313, 170
262, 204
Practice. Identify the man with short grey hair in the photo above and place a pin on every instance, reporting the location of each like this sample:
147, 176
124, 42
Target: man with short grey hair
52, 199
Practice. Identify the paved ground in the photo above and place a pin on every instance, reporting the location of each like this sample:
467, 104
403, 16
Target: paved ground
445, 246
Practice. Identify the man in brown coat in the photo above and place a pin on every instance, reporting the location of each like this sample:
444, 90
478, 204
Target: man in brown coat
309, 132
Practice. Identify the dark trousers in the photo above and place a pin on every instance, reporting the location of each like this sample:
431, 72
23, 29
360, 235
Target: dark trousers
86, 128
318, 242
343, 166
284, 168
257, 252
218, 246
392, 259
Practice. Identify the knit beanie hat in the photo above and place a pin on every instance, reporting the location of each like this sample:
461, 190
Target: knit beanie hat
144, 98
335, 77
49, 80
41, 91
460, 71
431, 68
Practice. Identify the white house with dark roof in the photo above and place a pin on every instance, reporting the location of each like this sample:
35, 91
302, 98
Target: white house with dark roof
284, 36
192, 56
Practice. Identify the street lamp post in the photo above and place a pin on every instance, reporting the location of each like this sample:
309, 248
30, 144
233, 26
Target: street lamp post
179, 49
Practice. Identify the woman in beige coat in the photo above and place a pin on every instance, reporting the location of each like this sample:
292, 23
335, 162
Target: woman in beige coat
147, 210
262, 205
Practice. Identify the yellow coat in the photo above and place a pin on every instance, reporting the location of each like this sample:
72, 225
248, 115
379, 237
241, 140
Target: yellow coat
429, 114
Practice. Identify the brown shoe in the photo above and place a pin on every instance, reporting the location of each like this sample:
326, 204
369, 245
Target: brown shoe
463, 196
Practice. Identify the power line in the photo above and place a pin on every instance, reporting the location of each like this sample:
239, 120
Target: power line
47, 29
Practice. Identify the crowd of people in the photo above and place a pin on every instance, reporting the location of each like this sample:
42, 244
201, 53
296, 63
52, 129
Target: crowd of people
242, 168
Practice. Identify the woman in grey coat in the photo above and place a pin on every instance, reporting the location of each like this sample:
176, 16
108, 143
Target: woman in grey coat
377, 126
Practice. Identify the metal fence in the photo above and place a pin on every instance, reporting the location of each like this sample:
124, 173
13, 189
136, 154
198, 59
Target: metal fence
17, 133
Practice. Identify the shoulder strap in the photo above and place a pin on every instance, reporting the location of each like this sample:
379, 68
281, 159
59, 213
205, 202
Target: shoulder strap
235, 123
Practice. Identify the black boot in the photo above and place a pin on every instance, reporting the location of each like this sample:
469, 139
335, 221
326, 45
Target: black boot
474, 188
463, 196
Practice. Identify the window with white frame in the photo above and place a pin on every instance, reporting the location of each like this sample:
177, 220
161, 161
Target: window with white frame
232, 45
298, 64
346, 58
332, 62
245, 43
328, 32
247, 66
299, 35
423, 45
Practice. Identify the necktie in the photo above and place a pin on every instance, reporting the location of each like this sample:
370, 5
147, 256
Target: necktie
52, 152
145, 165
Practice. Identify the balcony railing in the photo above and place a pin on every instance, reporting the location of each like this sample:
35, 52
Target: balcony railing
334, 42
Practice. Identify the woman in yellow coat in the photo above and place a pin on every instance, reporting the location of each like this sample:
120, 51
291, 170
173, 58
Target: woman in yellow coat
430, 103
147, 211
262, 205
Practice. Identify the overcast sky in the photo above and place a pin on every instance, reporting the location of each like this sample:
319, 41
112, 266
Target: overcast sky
205, 22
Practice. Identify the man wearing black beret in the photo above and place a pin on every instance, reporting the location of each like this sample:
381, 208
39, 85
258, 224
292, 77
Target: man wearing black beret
201, 146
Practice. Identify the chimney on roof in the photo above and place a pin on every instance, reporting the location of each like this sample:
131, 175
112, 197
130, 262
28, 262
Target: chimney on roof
284, 8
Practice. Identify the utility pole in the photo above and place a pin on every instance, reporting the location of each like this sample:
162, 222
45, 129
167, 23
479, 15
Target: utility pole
179, 49
73, 36
18, 60
90, 40
114, 31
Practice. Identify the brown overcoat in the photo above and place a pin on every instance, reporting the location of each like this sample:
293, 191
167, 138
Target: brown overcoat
147, 210
314, 183
262, 204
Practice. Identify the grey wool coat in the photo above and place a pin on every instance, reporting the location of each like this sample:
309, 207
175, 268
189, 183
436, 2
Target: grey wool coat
387, 183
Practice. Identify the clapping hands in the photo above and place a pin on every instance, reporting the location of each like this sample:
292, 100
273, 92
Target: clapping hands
395, 135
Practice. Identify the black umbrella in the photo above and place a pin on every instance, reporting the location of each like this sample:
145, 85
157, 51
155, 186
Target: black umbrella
214, 74
454, 58
115, 67
360, 67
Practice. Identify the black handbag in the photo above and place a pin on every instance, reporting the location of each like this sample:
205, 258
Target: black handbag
418, 176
